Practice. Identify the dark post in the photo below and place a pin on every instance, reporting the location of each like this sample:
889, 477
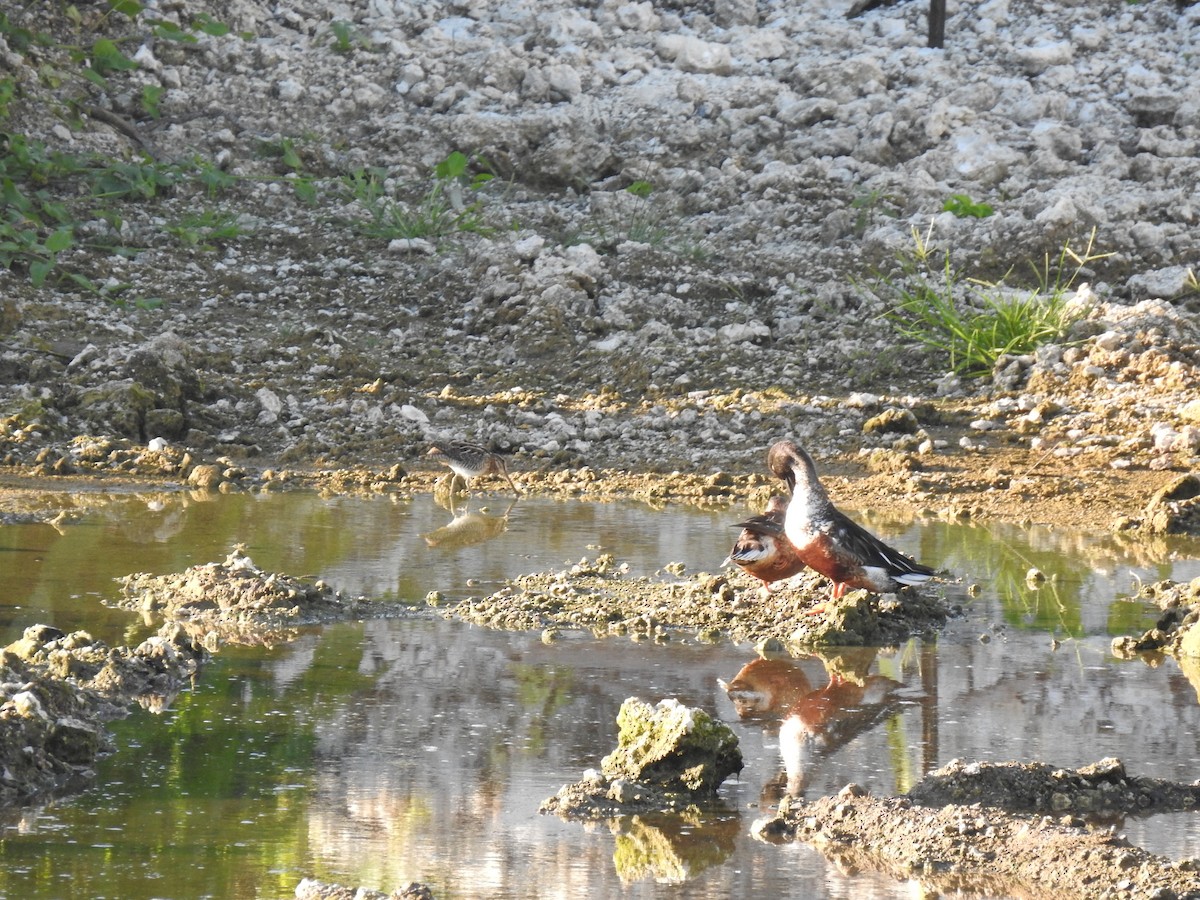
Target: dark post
937, 23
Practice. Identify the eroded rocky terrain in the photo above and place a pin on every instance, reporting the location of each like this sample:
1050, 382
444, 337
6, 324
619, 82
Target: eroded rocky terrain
256, 320
791, 152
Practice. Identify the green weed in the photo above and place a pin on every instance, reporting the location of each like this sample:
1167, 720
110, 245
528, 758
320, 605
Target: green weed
136, 179
450, 205
964, 207
871, 204
646, 224
345, 38
45, 194
285, 151
644, 221
112, 291
973, 322
8, 89
151, 97
213, 179
204, 230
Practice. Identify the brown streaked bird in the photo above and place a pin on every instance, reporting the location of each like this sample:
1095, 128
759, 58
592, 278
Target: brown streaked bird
829, 541
469, 461
762, 549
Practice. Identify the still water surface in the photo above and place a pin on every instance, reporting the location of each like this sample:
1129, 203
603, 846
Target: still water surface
419, 749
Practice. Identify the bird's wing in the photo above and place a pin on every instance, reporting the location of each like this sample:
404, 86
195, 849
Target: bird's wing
855, 541
749, 549
762, 525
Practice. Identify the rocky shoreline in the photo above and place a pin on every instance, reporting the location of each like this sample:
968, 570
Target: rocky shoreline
790, 153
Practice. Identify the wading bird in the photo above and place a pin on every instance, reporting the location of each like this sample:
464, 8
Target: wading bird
469, 461
762, 549
830, 542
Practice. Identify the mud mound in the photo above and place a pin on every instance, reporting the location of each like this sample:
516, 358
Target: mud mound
602, 596
976, 845
1103, 788
57, 690
236, 601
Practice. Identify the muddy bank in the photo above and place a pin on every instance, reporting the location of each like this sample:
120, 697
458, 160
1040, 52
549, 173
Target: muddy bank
600, 595
1007, 829
56, 692
235, 601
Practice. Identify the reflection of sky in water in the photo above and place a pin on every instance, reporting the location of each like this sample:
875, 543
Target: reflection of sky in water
392, 751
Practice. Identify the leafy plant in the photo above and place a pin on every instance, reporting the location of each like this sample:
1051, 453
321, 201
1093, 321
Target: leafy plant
8, 88
974, 322
205, 229
643, 221
343, 35
285, 150
445, 208
964, 207
151, 96
138, 179
112, 291
106, 58
34, 227
45, 194
210, 177
18, 38
871, 204
646, 223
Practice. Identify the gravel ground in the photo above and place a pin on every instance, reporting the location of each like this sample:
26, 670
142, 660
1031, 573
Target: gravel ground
684, 255
790, 152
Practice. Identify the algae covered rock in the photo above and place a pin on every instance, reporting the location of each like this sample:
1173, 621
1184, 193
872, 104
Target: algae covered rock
672, 745
669, 758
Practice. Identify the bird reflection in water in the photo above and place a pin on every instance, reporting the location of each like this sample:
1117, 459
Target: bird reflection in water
766, 688
471, 526
813, 724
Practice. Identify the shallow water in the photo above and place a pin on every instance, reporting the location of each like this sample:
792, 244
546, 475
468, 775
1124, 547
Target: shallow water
419, 749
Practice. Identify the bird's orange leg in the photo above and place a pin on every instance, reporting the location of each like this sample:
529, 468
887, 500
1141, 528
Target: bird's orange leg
838, 591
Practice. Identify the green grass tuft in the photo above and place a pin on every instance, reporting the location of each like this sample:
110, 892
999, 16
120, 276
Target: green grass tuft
974, 323
450, 205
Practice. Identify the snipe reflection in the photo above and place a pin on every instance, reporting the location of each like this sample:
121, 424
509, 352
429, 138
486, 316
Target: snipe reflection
468, 527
